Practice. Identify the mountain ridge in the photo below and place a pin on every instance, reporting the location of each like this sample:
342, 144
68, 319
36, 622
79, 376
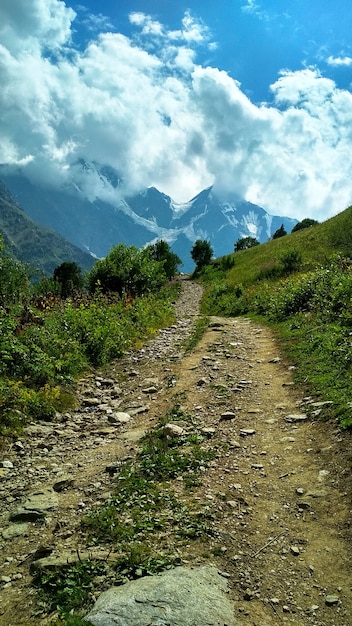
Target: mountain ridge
97, 224
28, 242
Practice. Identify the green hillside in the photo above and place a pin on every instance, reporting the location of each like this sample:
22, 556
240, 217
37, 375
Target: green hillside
315, 245
301, 284
39, 247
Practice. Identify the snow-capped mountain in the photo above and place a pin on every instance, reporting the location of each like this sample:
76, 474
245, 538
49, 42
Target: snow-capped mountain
96, 217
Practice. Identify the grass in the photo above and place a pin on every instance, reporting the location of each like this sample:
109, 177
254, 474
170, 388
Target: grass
147, 521
300, 284
199, 329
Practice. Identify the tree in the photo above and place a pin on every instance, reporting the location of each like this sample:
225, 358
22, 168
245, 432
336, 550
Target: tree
202, 253
69, 276
245, 243
280, 232
306, 223
127, 270
160, 251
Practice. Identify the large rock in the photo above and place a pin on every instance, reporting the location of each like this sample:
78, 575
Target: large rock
178, 597
36, 505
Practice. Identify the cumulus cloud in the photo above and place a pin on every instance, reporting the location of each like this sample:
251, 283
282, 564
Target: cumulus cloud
339, 61
144, 106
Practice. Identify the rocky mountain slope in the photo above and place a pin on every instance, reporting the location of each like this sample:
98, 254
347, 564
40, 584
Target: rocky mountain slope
40, 247
95, 217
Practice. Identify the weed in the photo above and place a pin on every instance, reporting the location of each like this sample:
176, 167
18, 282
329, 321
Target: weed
69, 587
198, 332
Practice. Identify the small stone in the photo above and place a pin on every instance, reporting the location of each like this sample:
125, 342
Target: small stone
151, 389
295, 550
5, 579
119, 418
248, 595
201, 382
299, 491
257, 466
274, 600
286, 609
63, 483
247, 432
173, 430
331, 600
300, 417
18, 445
303, 505
227, 415
209, 432
91, 402
7, 464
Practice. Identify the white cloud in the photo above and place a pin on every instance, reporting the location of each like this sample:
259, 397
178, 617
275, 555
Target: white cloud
156, 116
40, 23
339, 61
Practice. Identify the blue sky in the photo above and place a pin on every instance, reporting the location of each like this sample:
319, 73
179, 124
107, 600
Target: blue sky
251, 96
254, 39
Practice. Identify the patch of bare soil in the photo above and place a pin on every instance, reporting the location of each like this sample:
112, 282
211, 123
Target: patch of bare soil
281, 483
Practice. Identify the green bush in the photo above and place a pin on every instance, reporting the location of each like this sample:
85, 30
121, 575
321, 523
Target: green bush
127, 270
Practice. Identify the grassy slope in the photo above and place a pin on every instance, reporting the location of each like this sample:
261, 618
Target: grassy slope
316, 245
310, 310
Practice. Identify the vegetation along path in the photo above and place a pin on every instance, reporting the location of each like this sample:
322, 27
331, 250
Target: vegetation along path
272, 488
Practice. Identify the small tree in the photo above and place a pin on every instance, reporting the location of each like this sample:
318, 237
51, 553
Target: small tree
306, 223
127, 270
69, 277
245, 243
160, 251
202, 253
280, 232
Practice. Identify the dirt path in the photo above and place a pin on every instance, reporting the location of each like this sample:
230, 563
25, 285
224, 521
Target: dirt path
280, 483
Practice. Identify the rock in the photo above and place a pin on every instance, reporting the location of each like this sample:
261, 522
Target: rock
331, 600
248, 595
191, 597
300, 417
63, 483
6, 464
201, 382
15, 530
152, 389
227, 415
119, 418
58, 561
208, 431
144, 408
18, 446
90, 402
295, 550
35, 506
172, 430
303, 505
246, 432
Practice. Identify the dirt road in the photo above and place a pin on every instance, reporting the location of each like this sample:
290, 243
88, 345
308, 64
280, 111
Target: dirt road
281, 482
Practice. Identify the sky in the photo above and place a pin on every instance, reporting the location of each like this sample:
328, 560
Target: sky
253, 97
